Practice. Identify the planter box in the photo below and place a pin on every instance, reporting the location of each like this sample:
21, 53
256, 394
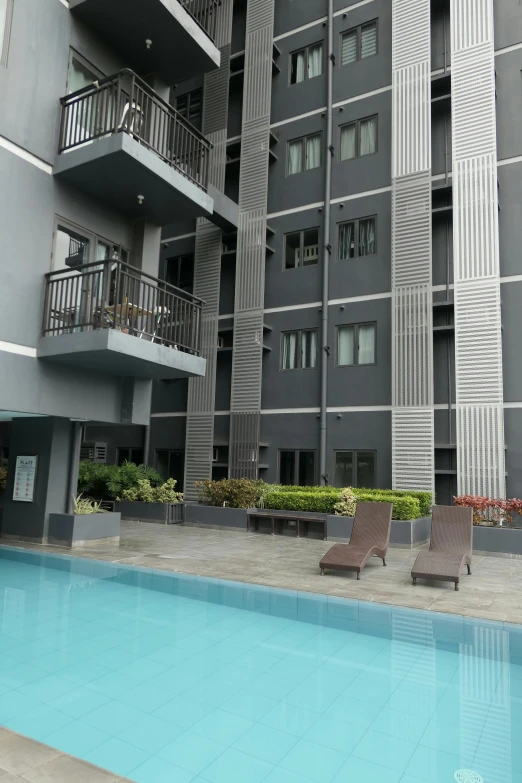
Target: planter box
405, 534
74, 530
166, 513
216, 517
497, 540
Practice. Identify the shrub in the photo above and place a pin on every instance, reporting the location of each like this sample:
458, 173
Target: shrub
146, 493
110, 481
84, 506
491, 511
424, 498
3, 474
347, 503
404, 507
234, 493
325, 502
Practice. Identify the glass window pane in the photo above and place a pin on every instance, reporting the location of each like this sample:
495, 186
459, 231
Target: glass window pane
136, 456
182, 103
348, 135
315, 60
71, 249
290, 350
349, 47
310, 247
345, 344
346, 246
80, 75
366, 469
287, 467
162, 464
123, 456
368, 136
194, 105
367, 245
3, 16
368, 40
293, 250
313, 151
306, 476
297, 69
308, 349
366, 351
295, 156
343, 468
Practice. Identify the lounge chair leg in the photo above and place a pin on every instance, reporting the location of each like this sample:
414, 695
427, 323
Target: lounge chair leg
456, 585
358, 575
414, 580
322, 571
469, 569
383, 561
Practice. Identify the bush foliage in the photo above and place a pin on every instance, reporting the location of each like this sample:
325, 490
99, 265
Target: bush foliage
234, 493
3, 474
111, 481
146, 493
491, 511
347, 503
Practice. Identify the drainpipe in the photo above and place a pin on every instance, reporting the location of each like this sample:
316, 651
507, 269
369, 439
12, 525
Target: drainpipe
146, 445
74, 464
327, 246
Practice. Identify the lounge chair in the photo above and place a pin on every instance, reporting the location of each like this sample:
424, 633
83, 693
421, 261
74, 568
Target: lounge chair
451, 546
370, 536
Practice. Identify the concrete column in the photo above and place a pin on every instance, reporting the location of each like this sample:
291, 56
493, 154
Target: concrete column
146, 245
52, 441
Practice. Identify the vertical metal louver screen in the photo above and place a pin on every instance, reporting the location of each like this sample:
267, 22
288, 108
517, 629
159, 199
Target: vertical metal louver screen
368, 40
349, 47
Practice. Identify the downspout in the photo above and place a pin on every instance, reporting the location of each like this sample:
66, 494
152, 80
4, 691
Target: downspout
74, 464
327, 246
146, 444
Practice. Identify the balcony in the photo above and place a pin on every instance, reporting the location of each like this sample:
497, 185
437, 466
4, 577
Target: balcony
172, 38
109, 317
121, 143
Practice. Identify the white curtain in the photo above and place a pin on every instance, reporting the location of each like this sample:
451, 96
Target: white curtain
349, 47
315, 61
308, 349
348, 142
368, 136
299, 66
366, 344
295, 157
346, 247
290, 350
367, 237
313, 151
345, 345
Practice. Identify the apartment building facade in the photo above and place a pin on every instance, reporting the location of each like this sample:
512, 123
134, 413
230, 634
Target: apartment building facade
93, 162
365, 315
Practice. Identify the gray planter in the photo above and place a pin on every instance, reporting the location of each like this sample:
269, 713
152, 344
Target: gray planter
216, 517
74, 530
166, 513
497, 540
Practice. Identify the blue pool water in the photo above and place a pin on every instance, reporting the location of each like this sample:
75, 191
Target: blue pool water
171, 679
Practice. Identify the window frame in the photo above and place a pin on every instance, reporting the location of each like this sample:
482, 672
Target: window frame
299, 333
359, 28
355, 453
130, 449
356, 327
93, 238
356, 222
74, 54
305, 49
179, 258
303, 140
188, 95
357, 124
301, 233
5, 40
297, 452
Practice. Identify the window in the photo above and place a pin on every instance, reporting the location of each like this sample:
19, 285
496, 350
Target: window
359, 43
306, 63
179, 271
355, 469
6, 13
304, 154
171, 464
189, 105
74, 246
125, 454
297, 468
299, 350
359, 138
357, 238
356, 344
302, 248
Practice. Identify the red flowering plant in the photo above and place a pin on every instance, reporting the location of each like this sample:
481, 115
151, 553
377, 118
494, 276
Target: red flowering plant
491, 511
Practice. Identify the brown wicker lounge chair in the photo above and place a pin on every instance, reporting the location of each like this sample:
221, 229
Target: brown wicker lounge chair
370, 536
451, 546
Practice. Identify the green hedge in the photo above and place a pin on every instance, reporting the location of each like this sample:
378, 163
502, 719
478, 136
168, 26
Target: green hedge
404, 507
424, 498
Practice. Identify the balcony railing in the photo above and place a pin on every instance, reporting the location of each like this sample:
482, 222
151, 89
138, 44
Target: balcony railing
113, 295
205, 13
124, 103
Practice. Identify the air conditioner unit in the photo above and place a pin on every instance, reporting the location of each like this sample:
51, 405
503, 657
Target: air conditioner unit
93, 452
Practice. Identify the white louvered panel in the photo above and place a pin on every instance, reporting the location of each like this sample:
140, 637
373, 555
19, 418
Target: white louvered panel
411, 32
471, 23
480, 450
412, 318
473, 102
413, 445
411, 119
198, 452
246, 364
475, 218
411, 231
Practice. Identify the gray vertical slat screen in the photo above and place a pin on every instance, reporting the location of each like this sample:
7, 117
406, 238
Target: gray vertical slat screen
245, 403
199, 439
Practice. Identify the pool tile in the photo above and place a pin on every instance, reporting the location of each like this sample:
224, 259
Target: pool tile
39, 722
151, 734
442, 736
191, 752
249, 705
116, 756
280, 775
265, 743
146, 697
76, 738
394, 752
233, 766
47, 688
335, 734
433, 765
114, 684
182, 712
402, 725
113, 717
314, 762
155, 770
290, 718
223, 727
14, 703
356, 770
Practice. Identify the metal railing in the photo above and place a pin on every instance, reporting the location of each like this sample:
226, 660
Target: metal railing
124, 103
205, 13
113, 295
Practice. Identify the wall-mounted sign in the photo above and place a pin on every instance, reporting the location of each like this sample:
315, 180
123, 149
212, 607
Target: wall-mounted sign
25, 475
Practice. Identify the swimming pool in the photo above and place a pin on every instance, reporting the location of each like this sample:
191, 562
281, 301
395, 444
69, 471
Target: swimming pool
167, 678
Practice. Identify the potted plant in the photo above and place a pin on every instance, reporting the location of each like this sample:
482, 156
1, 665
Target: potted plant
147, 503
89, 523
